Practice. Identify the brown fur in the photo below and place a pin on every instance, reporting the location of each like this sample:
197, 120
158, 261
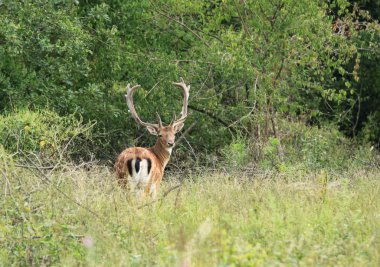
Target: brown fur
158, 154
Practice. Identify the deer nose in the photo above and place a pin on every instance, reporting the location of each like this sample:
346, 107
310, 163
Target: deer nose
170, 143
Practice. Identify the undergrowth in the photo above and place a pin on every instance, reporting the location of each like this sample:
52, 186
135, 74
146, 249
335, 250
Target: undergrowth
310, 197
78, 216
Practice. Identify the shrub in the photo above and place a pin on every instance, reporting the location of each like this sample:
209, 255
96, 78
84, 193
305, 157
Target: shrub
44, 133
271, 153
236, 154
317, 148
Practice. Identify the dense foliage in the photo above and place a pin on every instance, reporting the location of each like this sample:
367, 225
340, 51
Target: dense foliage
281, 145
252, 66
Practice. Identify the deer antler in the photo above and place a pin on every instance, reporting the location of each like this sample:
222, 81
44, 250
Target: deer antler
132, 109
186, 90
159, 119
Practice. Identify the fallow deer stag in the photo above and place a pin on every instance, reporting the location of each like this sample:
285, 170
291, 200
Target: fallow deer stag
141, 169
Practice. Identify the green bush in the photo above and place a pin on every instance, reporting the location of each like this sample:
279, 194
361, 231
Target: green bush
245, 71
236, 154
5, 160
44, 133
371, 131
272, 155
317, 148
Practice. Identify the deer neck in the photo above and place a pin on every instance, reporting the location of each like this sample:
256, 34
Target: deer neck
162, 153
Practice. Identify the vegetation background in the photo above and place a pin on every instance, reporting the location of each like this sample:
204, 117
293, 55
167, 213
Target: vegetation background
284, 129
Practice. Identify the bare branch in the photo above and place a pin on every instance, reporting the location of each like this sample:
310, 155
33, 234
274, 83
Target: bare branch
186, 132
213, 116
161, 198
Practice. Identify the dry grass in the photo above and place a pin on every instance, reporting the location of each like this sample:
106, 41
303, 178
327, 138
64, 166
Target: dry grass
82, 217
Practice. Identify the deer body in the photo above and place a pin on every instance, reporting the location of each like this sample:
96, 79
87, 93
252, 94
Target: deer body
141, 169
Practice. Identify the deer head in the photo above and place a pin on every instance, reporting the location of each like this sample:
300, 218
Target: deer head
166, 134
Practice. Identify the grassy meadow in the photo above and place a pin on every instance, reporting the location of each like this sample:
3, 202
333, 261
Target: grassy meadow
78, 216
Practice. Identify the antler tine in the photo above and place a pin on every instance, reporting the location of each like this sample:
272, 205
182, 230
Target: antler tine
131, 106
159, 119
186, 90
173, 120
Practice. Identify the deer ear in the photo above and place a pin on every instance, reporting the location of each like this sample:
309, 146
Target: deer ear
152, 130
178, 127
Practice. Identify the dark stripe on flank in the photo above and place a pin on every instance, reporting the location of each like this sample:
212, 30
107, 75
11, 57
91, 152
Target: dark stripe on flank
137, 165
149, 165
129, 164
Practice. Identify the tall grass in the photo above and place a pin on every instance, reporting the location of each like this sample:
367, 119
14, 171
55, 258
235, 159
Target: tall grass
79, 216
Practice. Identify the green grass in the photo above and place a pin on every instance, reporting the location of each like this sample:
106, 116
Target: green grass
213, 219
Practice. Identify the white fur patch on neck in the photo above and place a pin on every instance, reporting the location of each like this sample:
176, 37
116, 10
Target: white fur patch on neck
169, 150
